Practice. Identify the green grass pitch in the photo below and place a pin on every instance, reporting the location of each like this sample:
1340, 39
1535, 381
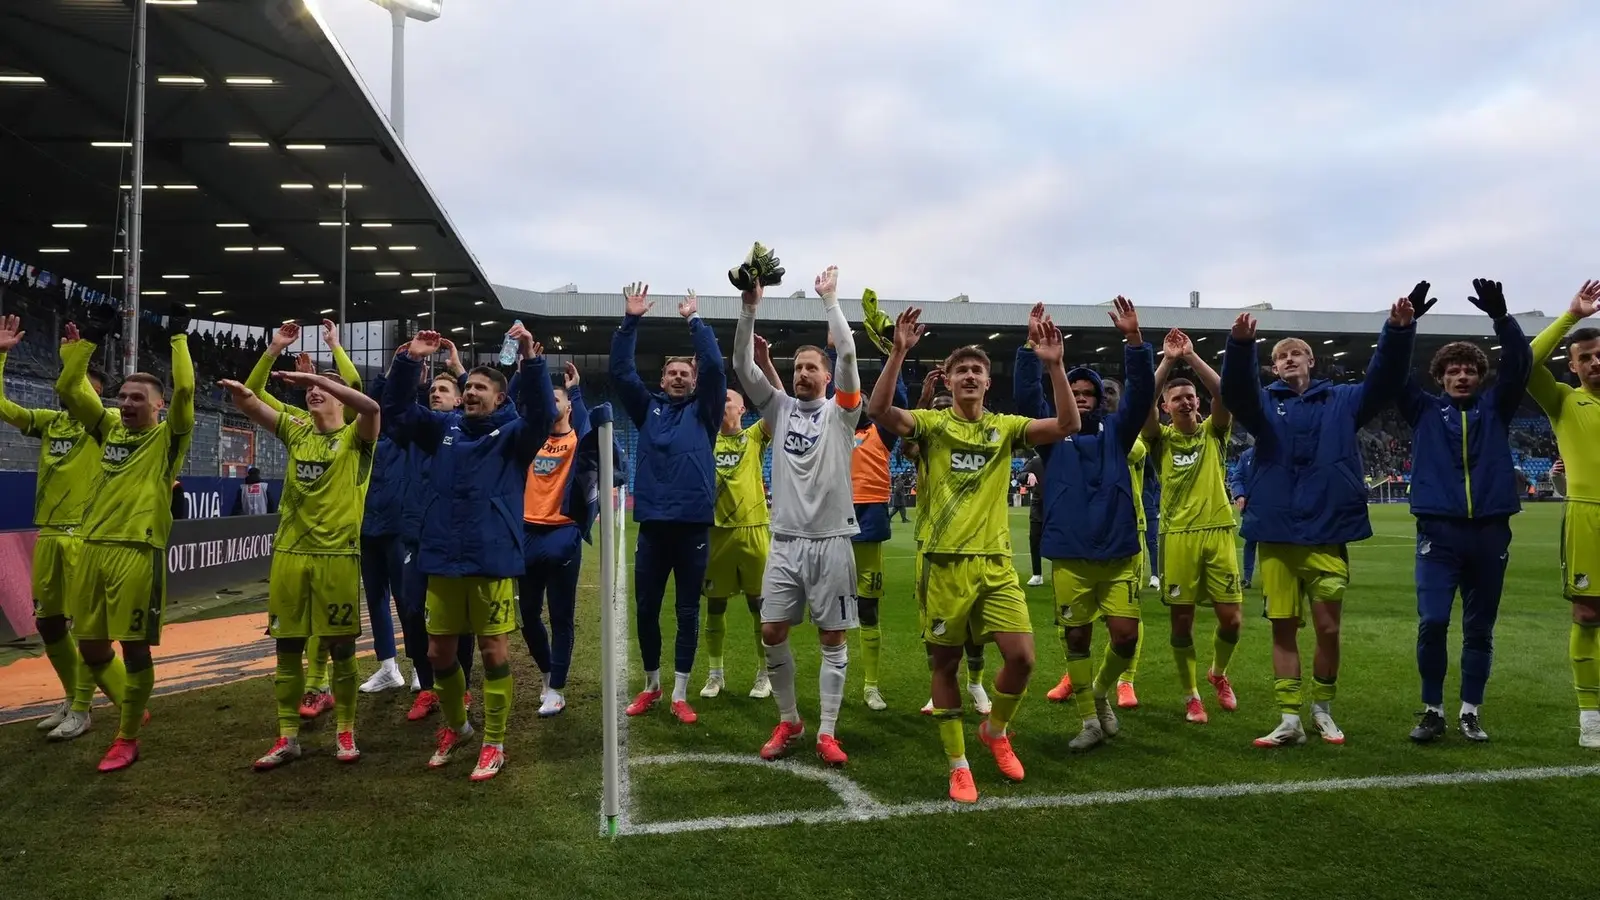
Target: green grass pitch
192, 820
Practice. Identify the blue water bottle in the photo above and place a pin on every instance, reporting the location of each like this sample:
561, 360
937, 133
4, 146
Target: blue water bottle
510, 351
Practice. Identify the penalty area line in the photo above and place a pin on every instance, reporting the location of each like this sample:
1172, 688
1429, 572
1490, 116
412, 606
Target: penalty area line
860, 807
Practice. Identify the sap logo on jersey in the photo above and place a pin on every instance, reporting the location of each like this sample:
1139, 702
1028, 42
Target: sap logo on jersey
117, 454
798, 444
309, 471
728, 460
968, 462
61, 447
1185, 460
545, 465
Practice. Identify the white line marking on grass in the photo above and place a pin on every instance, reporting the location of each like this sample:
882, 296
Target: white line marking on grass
859, 806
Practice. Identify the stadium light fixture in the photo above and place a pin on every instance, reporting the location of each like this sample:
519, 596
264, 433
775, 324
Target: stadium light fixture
291, 281
109, 277
154, 293
364, 248
329, 224
179, 79
249, 80
296, 185
387, 274
412, 291
1558, 356
349, 186
208, 294
1099, 349
305, 146
402, 248
54, 250
477, 303
220, 312
173, 2
1327, 342
377, 224
19, 78
309, 275
490, 322
111, 145
423, 274
147, 187
233, 224
316, 281
1339, 354
435, 290
994, 336
188, 306
1495, 347
323, 312
238, 249
179, 187
424, 314
1374, 345
255, 145
175, 277
458, 329
582, 327
269, 249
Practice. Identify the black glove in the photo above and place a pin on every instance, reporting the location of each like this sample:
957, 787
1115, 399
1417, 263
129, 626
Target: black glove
744, 277
1419, 302
178, 319
98, 321
1490, 298
759, 267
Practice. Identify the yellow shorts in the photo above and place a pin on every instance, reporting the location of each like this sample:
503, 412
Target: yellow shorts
471, 605
869, 568
117, 592
55, 554
964, 599
1200, 568
1580, 550
1086, 590
1294, 577
314, 595
737, 561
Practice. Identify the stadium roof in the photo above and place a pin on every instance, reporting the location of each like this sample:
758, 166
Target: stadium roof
254, 117
791, 322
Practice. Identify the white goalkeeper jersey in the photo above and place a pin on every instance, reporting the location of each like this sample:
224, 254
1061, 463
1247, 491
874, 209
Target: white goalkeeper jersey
812, 443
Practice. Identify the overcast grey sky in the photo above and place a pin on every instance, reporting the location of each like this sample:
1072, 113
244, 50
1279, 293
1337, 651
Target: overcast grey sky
1254, 150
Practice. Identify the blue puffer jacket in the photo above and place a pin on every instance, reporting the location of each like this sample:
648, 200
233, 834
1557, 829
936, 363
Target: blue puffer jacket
1307, 486
1461, 450
387, 487
1089, 494
1239, 484
675, 476
477, 468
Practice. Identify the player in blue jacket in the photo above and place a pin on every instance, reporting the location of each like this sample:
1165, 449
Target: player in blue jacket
471, 540
674, 487
380, 552
1464, 493
1239, 486
1091, 534
1308, 499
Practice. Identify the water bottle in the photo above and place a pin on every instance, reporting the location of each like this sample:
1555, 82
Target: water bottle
510, 351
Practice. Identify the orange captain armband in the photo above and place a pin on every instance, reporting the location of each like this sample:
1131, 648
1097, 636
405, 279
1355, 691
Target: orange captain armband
847, 399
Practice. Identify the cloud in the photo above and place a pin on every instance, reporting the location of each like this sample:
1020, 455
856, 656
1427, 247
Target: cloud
1304, 155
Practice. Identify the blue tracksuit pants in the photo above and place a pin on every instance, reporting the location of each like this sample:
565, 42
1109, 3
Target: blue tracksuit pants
552, 554
381, 577
1466, 555
663, 549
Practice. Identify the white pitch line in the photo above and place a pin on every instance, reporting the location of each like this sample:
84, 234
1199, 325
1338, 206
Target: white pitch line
862, 807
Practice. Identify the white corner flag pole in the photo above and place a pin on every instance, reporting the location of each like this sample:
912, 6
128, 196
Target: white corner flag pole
611, 808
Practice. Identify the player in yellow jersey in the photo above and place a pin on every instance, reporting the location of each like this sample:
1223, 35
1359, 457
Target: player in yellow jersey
118, 589
739, 539
967, 587
1198, 564
317, 699
1575, 416
69, 460
316, 556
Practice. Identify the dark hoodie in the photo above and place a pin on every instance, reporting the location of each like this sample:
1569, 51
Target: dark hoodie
1089, 495
476, 468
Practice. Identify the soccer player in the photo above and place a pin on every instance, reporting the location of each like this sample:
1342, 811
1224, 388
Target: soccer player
315, 583
1199, 566
675, 487
967, 588
1575, 417
811, 566
739, 538
1464, 493
118, 588
1240, 487
69, 460
381, 556
553, 543
1090, 514
471, 545
1307, 497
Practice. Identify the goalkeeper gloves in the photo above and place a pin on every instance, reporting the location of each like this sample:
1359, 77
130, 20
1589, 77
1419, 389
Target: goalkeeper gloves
1419, 299
99, 320
879, 327
760, 266
178, 319
1490, 298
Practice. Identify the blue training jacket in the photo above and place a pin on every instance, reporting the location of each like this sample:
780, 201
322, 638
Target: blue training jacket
1239, 484
1461, 450
675, 476
1089, 494
386, 489
476, 468
1306, 486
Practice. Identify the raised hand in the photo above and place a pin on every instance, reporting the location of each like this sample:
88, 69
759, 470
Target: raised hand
908, 329
287, 334
10, 333
1587, 300
1177, 345
763, 354
827, 284
330, 334
637, 296
932, 379
1488, 297
524, 338
298, 379
424, 345
1036, 319
1124, 316
1049, 348
1419, 301
237, 391
570, 375
70, 334
304, 363
1403, 313
689, 306
535, 351
1244, 328
453, 355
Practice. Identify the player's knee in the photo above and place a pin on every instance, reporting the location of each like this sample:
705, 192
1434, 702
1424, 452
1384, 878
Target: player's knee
136, 656
774, 633
1018, 660
1123, 631
1126, 648
1477, 640
869, 611
96, 653
1326, 627
945, 662
52, 628
716, 606
1432, 630
1586, 613
341, 649
1229, 617
832, 638
1078, 638
290, 646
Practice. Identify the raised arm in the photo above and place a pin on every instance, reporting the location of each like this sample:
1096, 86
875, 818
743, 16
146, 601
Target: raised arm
751, 378
363, 410
11, 334
1027, 387
407, 420
1391, 362
764, 360
1139, 374
711, 379
1241, 381
630, 388
1049, 349
578, 417
1542, 385
1221, 417
537, 400
847, 374
72, 386
1516, 357
180, 413
880, 408
251, 406
342, 364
